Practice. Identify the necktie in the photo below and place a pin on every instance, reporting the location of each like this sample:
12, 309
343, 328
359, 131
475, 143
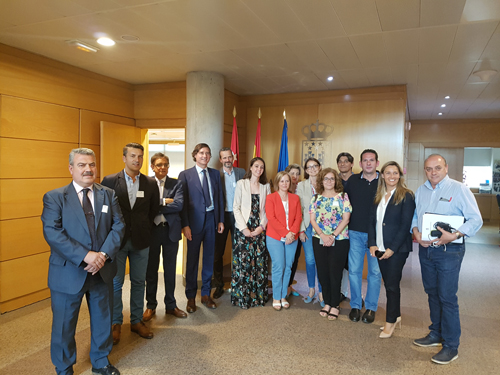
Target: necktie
89, 216
206, 191
160, 218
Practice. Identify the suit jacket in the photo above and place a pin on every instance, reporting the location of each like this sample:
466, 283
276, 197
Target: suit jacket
276, 215
396, 225
138, 220
242, 205
172, 211
305, 194
66, 231
239, 173
193, 212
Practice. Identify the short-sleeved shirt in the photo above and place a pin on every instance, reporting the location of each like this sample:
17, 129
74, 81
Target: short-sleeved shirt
328, 212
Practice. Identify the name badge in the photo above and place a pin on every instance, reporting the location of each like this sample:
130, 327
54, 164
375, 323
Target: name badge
105, 209
140, 194
335, 204
234, 184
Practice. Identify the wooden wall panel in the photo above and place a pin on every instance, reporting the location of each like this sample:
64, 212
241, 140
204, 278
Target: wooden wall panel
22, 198
26, 300
160, 101
16, 282
90, 123
21, 237
30, 76
29, 119
34, 159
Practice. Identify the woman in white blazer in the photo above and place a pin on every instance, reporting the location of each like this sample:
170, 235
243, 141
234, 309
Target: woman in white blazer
306, 190
249, 275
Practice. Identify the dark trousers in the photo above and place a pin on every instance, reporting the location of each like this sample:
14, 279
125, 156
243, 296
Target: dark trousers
330, 262
295, 262
220, 247
207, 237
392, 271
160, 240
65, 310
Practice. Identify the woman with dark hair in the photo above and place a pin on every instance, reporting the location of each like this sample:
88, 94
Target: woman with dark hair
329, 214
306, 190
389, 237
249, 275
284, 214
293, 171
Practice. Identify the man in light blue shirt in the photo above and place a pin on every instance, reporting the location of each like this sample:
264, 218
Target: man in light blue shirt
229, 175
441, 259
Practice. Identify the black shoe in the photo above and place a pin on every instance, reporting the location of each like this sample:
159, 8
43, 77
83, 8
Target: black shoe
428, 341
368, 316
354, 315
108, 370
219, 291
445, 356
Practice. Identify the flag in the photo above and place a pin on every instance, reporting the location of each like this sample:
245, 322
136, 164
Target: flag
256, 146
283, 160
235, 148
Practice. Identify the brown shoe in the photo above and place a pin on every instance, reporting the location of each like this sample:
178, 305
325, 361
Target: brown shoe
208, 302
142, 330
148, 314
117, 332
177, 313
191, 305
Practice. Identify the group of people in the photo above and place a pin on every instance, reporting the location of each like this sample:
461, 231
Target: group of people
337, 217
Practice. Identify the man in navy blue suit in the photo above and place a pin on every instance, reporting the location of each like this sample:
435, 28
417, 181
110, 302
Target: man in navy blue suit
165, 236
202, 215
83, 225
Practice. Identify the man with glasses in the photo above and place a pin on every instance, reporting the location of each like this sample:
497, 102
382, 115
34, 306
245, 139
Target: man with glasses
166, 234
361, 189
441, 258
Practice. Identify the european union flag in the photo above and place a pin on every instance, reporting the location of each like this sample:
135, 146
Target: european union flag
283, 160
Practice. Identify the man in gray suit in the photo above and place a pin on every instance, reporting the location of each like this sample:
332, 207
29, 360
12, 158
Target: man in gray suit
229, 175
83, 225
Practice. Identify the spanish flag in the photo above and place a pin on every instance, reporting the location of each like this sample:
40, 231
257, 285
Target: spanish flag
235, 147
256, 146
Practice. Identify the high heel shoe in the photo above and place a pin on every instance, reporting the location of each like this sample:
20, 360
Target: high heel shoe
309, 299
321, 301
398, 320
384, 335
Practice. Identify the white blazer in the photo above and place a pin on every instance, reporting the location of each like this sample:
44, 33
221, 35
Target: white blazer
304, 192
242, 205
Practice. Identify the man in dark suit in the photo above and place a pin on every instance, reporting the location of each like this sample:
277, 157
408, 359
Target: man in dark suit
229, 176
138, 197
202, 215
83, 245
166, 234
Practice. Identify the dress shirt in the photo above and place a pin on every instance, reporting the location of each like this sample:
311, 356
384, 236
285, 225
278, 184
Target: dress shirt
200, 175
450, 197
230, 182
381, 208
161, 185
79, 192
132, 188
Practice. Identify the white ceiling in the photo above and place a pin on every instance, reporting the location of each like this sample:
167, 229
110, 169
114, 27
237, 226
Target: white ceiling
277, 46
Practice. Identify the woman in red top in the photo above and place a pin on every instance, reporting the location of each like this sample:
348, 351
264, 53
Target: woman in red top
284, 216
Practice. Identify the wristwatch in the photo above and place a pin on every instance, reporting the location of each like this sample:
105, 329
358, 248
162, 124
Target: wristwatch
459, 235
105, 255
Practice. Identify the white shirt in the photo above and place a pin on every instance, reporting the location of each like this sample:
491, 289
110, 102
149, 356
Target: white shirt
382, 206
161, 185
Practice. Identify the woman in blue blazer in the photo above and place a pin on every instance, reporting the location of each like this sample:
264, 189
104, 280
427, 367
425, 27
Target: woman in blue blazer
389, 237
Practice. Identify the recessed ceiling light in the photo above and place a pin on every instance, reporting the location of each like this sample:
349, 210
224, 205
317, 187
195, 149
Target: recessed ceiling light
443, 105
330, 79
82, 46
130, 38
447, 97
106, 41
440, 113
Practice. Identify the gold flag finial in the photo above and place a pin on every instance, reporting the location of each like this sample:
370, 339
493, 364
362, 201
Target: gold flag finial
260, 113
234, 111
284, 114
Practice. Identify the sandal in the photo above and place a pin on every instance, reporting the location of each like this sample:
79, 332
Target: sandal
331, 315
324, 313
285, 303
277, 305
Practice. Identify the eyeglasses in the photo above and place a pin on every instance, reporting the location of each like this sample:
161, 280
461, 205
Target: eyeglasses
312, 167
162, 165
327, 179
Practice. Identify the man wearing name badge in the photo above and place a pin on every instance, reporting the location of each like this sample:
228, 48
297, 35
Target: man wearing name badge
229, 175
83, 225
361, 189
441, 258
138, 196
165, 237
202, 216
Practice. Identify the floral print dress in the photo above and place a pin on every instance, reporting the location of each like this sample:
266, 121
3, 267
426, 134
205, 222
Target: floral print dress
328, 212
250, 273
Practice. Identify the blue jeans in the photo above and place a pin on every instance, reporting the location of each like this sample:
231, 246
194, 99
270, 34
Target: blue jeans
282, 258
138, 260
359, 247
310, 261
440, 268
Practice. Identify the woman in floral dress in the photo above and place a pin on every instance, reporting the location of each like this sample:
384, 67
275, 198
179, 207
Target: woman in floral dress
249, 276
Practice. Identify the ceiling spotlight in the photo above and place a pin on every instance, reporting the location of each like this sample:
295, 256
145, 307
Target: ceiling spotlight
443, 105
82, 46
440, 113
330, 79
106, 42
447, 97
